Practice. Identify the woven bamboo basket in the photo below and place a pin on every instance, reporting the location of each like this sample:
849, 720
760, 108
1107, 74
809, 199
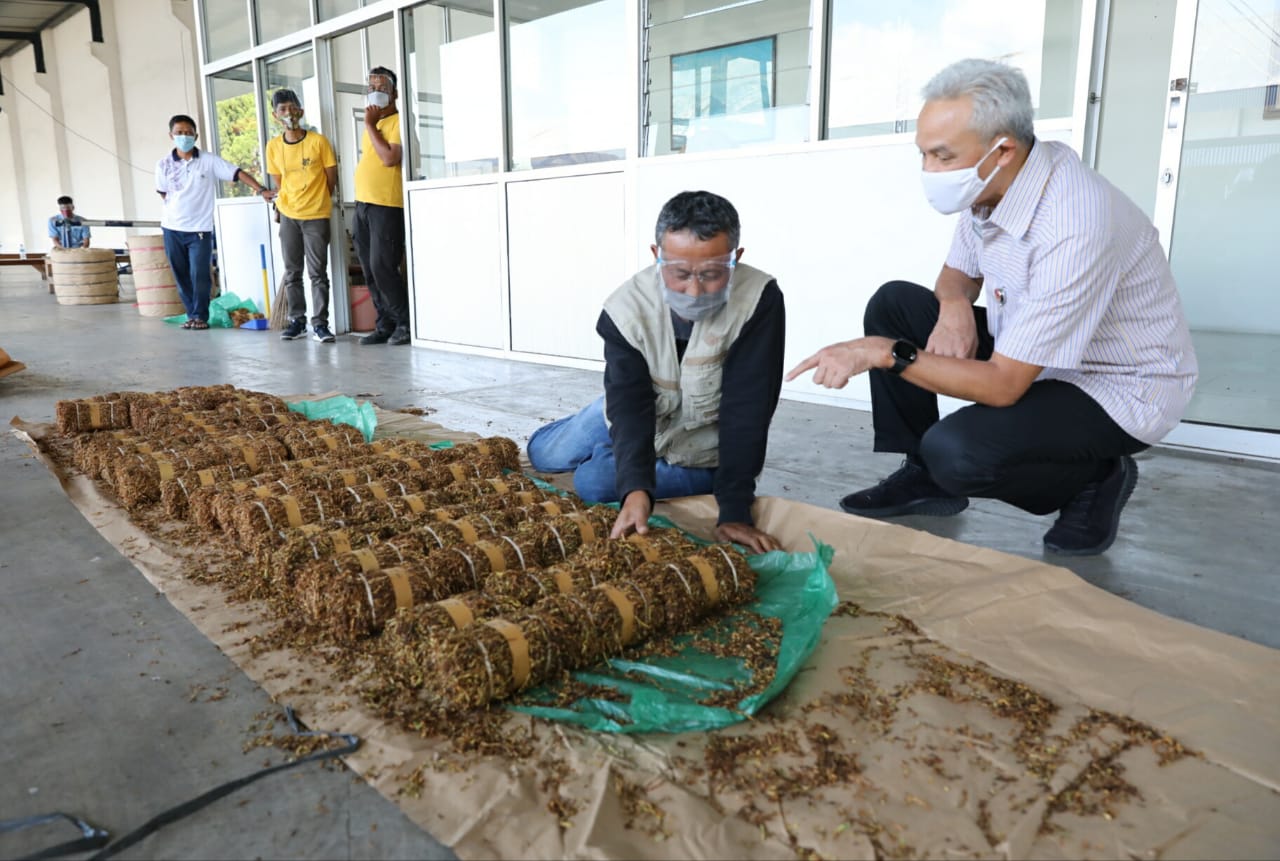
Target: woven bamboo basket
152, 277
84, 276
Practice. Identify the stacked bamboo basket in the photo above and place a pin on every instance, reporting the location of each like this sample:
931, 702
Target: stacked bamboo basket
472, 580
157, 291
85, 276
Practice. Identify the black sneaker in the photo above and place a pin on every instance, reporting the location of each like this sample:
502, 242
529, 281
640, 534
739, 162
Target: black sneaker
910, 490
1087, 524
399, 336
323, 335
296, 329
375, 338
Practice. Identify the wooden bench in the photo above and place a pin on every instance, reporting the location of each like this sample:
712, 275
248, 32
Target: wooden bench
36, 261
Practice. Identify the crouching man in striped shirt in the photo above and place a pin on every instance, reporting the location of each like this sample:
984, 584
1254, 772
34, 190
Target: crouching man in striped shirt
1081, 358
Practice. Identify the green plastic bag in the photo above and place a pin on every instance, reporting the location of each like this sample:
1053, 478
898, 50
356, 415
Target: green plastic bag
793, 587
220, 311
340, 410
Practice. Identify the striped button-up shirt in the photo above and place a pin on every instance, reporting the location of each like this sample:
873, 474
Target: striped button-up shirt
1076, 282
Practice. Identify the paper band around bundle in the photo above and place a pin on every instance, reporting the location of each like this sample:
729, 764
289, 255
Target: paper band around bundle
469, 534
263, 491
166, 469
647, 550
519, 647
626, 610
415, 503
368, 562
564, 580
499, 485
348, 476
291, 510
401, 586
585, 526
459, 612
550, 506
497, 562
708, 574
206, 478
340, 540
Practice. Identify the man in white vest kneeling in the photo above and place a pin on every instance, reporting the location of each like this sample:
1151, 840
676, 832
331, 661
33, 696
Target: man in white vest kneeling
693, 368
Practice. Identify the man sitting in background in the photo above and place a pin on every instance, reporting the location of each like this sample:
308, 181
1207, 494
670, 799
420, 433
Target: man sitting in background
65, 229
693, 368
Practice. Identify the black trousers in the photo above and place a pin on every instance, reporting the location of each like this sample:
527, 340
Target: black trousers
1037, 454
379, 240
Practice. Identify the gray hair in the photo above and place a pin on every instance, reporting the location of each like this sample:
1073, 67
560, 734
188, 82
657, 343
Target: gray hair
1001, 97
703, 213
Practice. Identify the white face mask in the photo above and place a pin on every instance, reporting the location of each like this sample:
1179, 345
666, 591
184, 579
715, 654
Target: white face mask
953, 190
377, 99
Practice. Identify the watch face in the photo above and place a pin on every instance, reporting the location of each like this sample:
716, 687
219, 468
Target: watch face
904, 351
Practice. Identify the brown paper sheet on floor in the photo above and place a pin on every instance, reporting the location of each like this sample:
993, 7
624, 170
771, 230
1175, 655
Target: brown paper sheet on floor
946, 713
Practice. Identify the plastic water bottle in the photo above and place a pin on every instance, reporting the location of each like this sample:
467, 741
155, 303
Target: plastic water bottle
22, 251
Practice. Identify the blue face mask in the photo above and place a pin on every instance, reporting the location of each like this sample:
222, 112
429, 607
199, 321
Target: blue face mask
184, 143
696, 307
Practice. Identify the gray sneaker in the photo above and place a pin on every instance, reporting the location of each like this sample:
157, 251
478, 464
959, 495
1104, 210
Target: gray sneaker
323, 335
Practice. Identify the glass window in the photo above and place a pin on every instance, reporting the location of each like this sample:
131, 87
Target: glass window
294, 70
569, 82
333, 8
882, 54
236, 109
451, 88
724, 75
281, 18
226, 28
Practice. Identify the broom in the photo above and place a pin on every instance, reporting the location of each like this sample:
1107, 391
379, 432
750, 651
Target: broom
279, 317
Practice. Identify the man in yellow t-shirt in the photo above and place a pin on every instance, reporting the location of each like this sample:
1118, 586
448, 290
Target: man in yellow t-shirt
304, 171
379, 221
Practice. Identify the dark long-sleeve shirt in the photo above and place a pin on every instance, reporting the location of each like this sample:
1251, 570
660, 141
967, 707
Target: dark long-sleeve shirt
750, 386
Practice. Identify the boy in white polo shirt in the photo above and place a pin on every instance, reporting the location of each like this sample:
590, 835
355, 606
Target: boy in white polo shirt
187, 180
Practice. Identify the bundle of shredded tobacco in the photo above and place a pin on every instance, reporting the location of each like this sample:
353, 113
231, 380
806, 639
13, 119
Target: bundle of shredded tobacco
594, 564
500, 657
90, 414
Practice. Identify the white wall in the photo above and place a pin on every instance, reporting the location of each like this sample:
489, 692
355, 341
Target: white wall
93, 125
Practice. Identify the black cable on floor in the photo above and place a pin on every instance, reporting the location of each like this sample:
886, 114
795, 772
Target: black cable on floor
95, 837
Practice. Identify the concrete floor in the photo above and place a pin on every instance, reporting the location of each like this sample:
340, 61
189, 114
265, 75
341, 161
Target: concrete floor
98, 714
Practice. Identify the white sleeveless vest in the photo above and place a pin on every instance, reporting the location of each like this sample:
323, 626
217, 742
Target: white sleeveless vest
687, 393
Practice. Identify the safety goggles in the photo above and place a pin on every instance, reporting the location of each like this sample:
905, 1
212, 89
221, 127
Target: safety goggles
708, 272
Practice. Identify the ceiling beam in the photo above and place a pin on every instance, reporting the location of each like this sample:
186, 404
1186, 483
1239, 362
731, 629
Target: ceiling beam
95, 15
32, 36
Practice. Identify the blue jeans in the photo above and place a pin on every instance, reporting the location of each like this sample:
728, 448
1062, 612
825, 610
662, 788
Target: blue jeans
189, 256
581, 443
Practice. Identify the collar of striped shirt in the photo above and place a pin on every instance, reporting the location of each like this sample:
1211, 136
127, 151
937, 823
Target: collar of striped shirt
1015, 210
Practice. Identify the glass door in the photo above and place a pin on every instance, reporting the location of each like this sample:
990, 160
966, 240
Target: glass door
349, 57
1218, 203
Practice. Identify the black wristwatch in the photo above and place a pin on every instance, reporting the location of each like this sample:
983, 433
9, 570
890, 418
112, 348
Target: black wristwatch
904, 353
